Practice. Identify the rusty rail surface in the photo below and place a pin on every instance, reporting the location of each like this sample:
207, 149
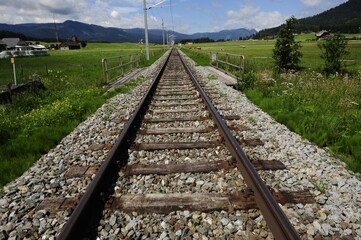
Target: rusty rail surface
83, 221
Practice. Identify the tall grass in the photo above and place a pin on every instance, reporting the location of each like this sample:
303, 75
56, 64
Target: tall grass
325, 110
36, 121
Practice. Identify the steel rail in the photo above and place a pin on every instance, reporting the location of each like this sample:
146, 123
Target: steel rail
271, 211
82, 218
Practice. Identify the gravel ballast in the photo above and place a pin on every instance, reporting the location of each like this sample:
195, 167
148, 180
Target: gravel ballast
336, 213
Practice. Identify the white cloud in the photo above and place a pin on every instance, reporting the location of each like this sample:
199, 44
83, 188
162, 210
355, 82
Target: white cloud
114, 14
252, 17
313, 3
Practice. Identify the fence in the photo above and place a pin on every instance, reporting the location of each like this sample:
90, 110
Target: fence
231, 63
117, 66
114, 67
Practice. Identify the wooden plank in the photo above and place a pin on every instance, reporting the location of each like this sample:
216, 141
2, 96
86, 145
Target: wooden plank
178, 86
174, 145
251, 142
230, 117
76, 171
163, 111
81, 171
159, 131
155, 104
175, 94
179, 119
197, 167
174, 90
175, 98
166, 203
91, 171
268, 165
204, 202
164, 169
241, 128
52, 205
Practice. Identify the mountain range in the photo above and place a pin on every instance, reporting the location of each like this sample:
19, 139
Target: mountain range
95, 33
345, 18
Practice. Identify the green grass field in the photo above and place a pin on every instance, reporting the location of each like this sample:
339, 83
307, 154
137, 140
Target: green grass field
325, 110
35, 122
260, 52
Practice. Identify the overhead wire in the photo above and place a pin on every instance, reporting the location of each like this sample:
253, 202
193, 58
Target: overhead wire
171, 13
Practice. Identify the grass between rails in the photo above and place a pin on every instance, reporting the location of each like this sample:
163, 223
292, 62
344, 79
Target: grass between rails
325, 110
35, 122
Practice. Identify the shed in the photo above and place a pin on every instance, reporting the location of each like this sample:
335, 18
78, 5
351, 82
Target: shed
13, 43
2, 46
69, 45
322, 34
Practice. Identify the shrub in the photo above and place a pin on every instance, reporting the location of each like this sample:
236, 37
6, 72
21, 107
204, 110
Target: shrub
249, 80
333, 49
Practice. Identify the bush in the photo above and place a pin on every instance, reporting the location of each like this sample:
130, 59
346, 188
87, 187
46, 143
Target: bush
333, 49
248, 82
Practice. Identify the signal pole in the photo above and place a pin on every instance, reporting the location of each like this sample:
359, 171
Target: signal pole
146, 30
163, 31
56, 30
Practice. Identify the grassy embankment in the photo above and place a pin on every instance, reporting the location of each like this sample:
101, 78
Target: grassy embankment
34, 123
325, 110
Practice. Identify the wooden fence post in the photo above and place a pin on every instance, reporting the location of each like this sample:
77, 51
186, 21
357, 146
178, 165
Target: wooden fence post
105, 70
241, 67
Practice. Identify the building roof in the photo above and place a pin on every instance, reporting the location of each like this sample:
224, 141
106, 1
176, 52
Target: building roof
38, 46
69, 43
2, 43
13, 42
321, 33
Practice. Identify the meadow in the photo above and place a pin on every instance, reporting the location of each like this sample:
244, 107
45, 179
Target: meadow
323, 109
35, 122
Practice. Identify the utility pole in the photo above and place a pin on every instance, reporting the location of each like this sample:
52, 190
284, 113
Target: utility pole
56, 30
163, 31
167, 38
146, 30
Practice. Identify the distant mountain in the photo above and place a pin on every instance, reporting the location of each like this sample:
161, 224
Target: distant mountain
234, 34
95, 33
345, 18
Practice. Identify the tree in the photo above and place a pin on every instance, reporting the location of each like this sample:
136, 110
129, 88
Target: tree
287, 53
333, 49
83, 44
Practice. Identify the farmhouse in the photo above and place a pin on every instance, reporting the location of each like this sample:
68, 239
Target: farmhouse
14, 47
322, 34
15, 44
70, 44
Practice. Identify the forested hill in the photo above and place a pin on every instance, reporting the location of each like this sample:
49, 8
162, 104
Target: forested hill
345, 18
95, 33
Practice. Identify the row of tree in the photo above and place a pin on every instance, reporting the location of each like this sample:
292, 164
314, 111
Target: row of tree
287, 54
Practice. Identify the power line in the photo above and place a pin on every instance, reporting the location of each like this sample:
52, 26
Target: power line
171, 13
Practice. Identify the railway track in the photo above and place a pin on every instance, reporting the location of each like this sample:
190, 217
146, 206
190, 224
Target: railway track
173, 157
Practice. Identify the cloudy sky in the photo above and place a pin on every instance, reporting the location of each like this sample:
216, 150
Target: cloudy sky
186, 16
